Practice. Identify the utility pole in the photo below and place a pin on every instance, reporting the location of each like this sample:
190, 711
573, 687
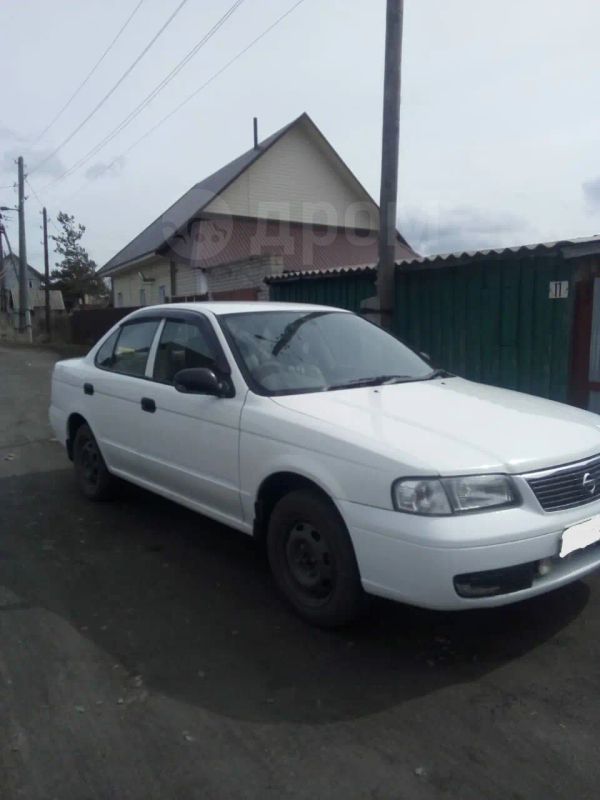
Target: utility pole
46, 272
388, 202
24, 316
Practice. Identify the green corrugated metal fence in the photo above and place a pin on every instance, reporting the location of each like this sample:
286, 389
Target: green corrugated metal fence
342, 291
491, 320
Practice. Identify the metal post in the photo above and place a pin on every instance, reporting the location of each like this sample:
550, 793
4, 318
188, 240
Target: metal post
389, 160
24, 315
46, 272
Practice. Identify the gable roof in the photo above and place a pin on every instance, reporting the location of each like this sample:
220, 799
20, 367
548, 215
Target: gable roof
14, 258
190, 204
194, 201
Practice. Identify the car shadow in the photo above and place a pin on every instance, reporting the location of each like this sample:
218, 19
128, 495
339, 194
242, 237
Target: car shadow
188, 605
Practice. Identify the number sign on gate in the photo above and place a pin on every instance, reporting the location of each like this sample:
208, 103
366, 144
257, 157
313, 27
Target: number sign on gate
559, 290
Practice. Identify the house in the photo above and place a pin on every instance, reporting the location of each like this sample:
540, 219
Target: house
289, 203
10, 280
9, 289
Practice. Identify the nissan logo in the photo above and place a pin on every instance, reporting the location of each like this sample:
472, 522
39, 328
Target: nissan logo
589, 483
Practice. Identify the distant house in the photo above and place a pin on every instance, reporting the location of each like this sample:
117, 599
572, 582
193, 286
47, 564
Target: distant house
289, 203
9, 288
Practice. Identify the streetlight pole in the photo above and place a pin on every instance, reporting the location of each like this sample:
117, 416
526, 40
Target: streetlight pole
389, 160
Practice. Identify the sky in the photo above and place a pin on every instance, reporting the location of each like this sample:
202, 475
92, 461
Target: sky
500, 119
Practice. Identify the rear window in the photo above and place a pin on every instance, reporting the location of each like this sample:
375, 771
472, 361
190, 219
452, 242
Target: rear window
104, 356
133, 346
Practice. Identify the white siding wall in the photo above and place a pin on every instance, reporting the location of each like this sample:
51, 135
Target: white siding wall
129, 284
295, 180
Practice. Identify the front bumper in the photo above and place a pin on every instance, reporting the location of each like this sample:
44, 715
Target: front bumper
418, 560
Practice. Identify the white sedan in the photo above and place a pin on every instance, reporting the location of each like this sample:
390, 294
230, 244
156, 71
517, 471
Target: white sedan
361, 468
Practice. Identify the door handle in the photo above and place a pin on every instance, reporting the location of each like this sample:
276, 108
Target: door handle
88, 388
148, 405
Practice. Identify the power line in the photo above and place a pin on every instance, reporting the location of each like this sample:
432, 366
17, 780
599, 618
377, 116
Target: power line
90, 73
114, 88
202, 87
150, 97
41, 204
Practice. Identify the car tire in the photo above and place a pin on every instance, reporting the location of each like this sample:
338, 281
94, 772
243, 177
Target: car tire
94, 479
312, 560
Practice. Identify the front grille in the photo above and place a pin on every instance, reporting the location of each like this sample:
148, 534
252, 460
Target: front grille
567, 487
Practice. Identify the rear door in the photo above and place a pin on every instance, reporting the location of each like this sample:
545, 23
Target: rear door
116, 395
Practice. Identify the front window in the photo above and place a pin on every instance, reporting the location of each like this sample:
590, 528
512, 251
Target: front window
183, 345
287, 352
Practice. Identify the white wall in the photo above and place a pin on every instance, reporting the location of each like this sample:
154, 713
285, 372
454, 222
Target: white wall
295, 180
128, 284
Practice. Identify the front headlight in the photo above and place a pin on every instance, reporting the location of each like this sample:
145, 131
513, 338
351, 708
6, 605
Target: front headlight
443, 496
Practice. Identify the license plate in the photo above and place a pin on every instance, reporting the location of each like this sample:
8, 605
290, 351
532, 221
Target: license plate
579, 536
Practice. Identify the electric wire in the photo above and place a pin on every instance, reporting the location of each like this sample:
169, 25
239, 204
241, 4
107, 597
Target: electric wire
151, 95
61, 111
197, 91
112, 90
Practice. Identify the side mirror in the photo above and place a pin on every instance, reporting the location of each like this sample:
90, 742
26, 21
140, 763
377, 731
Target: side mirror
199, 380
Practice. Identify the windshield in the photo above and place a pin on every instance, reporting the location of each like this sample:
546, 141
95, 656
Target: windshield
287, 352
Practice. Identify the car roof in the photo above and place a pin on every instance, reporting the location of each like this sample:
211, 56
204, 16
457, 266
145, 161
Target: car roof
227, 307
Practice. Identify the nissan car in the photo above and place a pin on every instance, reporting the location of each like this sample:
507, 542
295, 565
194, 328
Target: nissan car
359, 467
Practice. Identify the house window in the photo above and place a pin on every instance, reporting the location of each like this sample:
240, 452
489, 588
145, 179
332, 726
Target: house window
120, 300
162, 294
201, 282
31, 284
142, 296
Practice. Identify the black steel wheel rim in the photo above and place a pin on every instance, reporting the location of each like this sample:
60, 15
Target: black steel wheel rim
90, 463
310, 563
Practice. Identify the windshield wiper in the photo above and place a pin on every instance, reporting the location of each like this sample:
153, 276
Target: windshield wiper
438, 373
379, 380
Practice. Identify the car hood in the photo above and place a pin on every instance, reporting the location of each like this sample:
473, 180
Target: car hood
453, 426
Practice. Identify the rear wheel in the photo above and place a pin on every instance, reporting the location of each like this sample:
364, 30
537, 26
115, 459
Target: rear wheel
312, 559
94, 480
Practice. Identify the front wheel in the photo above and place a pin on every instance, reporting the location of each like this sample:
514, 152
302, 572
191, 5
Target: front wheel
313, 561
94, 480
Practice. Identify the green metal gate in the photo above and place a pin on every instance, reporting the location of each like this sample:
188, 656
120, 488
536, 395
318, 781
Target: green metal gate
340, 289
491, 319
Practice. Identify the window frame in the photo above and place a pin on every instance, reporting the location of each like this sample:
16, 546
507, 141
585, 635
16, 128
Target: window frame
252, 384
119, 331
202, 322
174, 315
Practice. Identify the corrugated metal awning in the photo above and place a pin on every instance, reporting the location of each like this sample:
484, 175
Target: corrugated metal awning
569, 248
334, 272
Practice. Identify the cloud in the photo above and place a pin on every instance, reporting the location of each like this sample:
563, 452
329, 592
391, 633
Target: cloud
101, 169
53, 167
591, 194
10, 134
461, 228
